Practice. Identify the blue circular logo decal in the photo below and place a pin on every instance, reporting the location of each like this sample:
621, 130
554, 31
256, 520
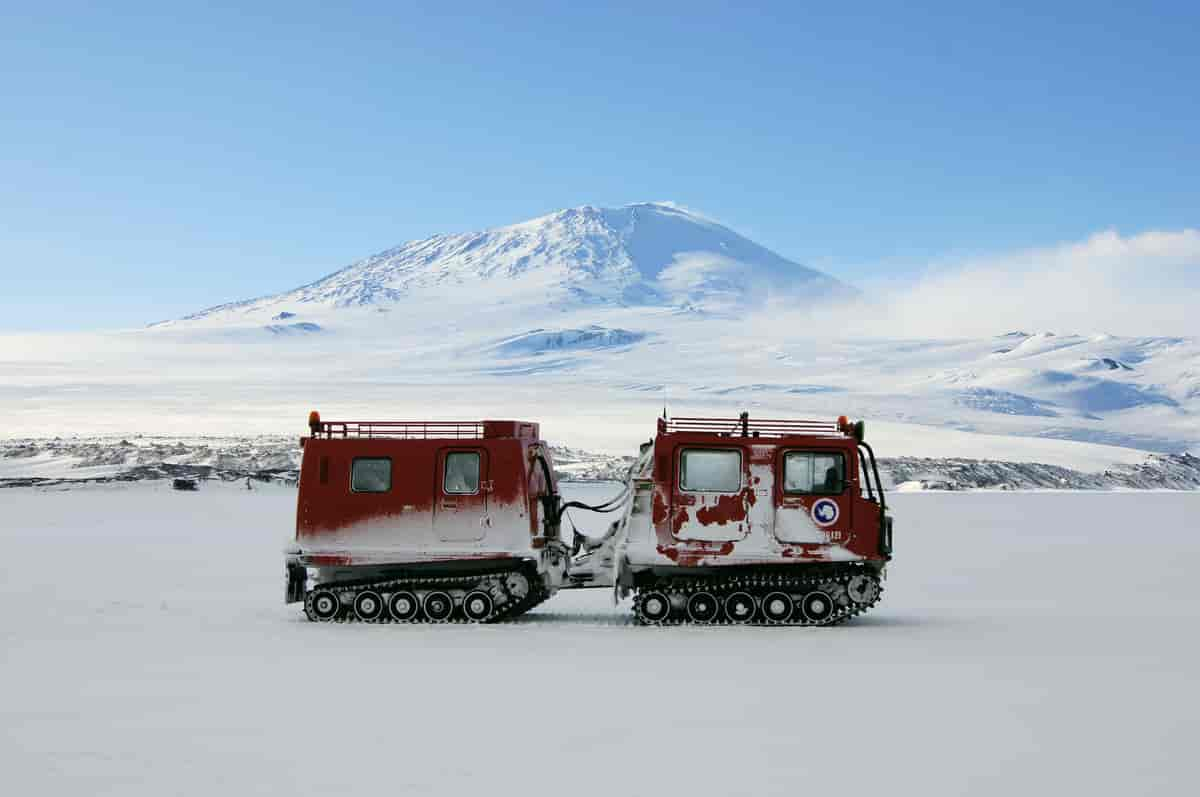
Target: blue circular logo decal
825, 512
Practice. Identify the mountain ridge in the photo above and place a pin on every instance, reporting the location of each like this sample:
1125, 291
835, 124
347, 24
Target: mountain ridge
644, 254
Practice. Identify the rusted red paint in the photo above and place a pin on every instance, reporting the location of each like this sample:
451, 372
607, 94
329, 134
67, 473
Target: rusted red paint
855, 532
659, 507
727, 509
679, 518
806, 550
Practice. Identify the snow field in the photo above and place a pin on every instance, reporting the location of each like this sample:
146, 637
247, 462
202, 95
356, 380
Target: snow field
1025, 643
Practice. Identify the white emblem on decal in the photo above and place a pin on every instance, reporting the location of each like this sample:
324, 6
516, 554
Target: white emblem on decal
825, 512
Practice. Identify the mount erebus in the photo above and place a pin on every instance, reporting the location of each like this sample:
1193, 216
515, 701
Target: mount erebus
592, 320
644, 255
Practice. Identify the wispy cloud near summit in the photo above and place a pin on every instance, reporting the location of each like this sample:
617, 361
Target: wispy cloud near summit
1148, 283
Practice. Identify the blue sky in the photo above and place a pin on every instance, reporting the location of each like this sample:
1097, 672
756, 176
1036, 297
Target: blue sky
155, 161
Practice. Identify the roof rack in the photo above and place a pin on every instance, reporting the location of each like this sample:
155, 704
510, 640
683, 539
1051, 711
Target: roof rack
747, 427
401, 430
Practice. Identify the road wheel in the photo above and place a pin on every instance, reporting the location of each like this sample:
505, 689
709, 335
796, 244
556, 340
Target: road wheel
818, 606
478, 606
368, 605
702, 607
403, 606
438, 606
739, 607
777, 607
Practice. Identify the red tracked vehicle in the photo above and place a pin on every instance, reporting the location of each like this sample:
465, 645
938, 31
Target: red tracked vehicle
749, 521
425, 522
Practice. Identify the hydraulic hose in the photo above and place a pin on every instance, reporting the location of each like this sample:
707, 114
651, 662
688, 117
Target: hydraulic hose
611, 505
551, 501
608, 506
546, 472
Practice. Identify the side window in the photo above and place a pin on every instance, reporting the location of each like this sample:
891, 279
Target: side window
814, 473
702, 471
371, 475
462, 473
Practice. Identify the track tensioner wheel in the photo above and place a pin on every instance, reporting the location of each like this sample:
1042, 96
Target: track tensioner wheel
654, 607
323, 605
863, 589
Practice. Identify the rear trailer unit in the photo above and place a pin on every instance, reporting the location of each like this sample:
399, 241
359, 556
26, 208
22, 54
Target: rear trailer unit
424, 521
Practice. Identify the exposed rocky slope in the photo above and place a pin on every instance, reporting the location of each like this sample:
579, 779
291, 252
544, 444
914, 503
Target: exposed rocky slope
1158, 472
58, 461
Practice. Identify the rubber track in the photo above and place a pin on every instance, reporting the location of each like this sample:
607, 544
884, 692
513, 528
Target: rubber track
538, 594
759, 586
510, 608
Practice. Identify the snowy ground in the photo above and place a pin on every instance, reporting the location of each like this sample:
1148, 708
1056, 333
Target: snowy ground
1025, 643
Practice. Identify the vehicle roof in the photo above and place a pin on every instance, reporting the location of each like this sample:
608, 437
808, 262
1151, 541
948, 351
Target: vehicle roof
426, 430
765, 430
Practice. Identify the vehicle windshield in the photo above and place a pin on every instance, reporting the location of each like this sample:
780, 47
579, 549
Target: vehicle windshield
814, 472
710, 471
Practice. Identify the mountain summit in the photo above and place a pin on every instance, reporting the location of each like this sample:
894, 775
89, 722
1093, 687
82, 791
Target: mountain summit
650, 254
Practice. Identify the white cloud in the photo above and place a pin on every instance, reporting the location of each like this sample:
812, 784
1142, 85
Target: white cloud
1145, 284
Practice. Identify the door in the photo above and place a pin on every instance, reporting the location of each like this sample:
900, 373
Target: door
813, 500
460, 511
709, 500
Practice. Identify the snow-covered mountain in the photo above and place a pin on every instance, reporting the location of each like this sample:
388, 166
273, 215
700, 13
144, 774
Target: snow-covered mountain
592, 321
650, 254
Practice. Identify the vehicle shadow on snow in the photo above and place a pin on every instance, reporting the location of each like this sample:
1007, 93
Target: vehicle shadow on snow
627, 620
573, 618
902, 621
617, 619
